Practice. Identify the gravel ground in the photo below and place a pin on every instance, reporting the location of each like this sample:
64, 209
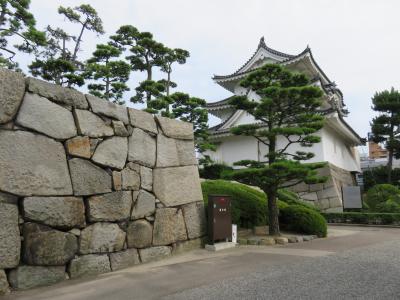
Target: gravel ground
363, 273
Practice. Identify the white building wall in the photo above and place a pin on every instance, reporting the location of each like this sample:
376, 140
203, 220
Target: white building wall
338, 152
331, 149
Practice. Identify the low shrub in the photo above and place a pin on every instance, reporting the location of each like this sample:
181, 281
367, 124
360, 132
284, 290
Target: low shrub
249, 206
214, 171
292, 198
379, 194
389, 206
301, 219
363, 218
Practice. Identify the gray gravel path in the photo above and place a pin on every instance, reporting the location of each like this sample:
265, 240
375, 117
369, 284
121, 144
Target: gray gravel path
363, 273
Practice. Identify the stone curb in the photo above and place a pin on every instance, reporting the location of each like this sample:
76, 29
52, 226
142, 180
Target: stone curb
270, 241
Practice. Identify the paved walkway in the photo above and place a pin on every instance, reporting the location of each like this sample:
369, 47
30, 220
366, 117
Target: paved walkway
354, 263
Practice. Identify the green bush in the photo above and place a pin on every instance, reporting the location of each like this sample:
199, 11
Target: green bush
214, 171
379, 194
249, 206
303, 220
363, 218
390, 206
292, 198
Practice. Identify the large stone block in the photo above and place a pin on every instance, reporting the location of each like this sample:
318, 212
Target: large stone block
44, 246
146, 178
124, 259
139, 234
176, 129
144, 206
26, 277
130, 179
88, 265
112, 152
172, 152
61, 212
177, 185
46, 117
142, 148
109, 109
328, 193
154, 253
32, 164
142, 120
119, 128
91, 125
185, 246
310, 196
4, 287
88, 179
169, 227
12, 89
195, 219
101, 238
79, 146
111, 207
66, 96
10, 245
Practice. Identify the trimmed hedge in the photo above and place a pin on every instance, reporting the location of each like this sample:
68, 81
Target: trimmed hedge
381, 193
249, 206
292, 198
301, 219
363, 218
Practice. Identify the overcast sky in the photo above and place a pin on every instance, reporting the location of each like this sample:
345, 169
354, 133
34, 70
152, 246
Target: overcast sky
355, 42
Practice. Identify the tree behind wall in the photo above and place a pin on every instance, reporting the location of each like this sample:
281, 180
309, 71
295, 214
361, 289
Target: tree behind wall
288, 108
386, 127
110, 73
58, 62
17, 23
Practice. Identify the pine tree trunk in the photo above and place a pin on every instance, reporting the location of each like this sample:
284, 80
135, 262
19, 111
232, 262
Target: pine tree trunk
390, 166
273, 213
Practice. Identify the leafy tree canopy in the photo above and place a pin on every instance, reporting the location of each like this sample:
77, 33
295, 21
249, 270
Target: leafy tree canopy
58, 62
17, 23
112, 73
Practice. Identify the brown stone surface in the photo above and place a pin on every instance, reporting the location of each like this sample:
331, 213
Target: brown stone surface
101, 238
176, 129
66, 96
10, 243
44, 246
12, 90
177, 185
79, 146
32, 164
60, 212
139, 234
169, 227
142, 120
110, 207
124, 259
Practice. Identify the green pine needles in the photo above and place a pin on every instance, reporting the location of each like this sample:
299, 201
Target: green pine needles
287, 112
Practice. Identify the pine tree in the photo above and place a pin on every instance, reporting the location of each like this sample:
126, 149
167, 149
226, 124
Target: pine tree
17, 23
113, 73
386, 126
59, 61
287, 110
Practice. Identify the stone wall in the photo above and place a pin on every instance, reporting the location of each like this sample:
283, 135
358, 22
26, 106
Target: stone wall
88, 186
326, 196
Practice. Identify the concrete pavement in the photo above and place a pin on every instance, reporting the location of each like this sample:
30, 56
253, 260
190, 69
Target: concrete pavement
355, 262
